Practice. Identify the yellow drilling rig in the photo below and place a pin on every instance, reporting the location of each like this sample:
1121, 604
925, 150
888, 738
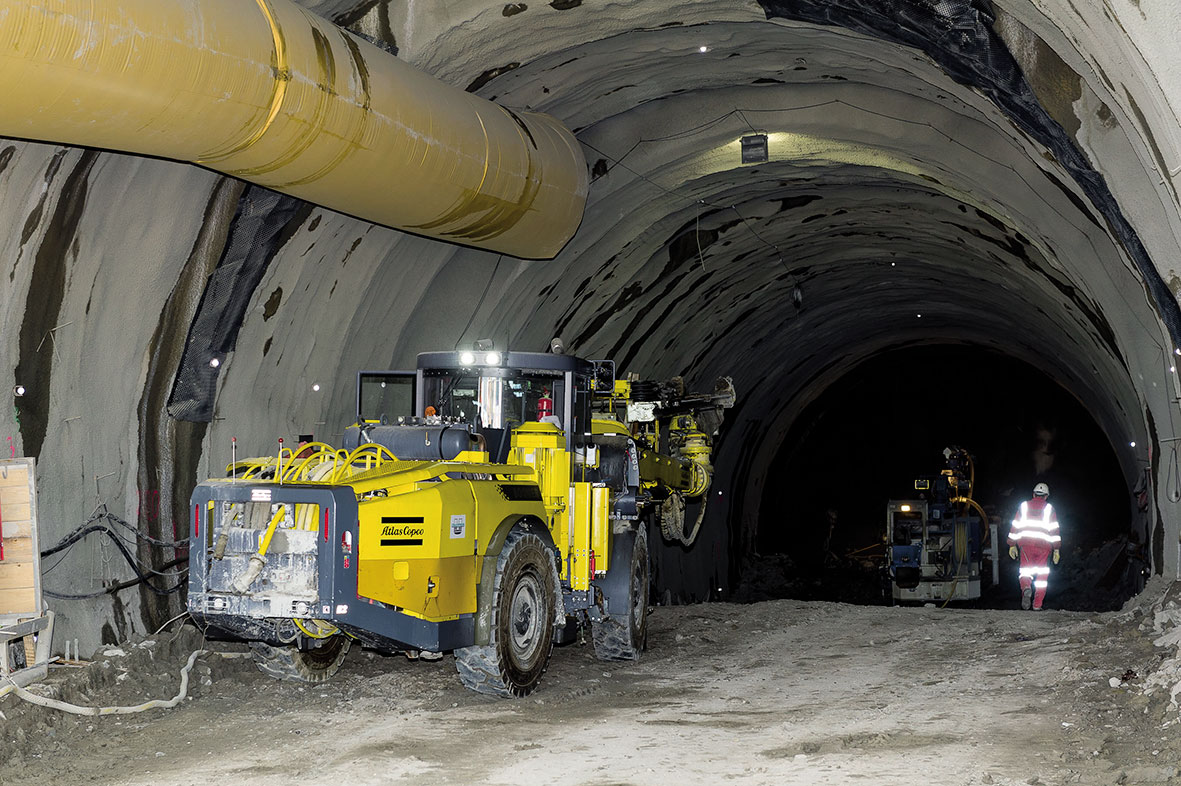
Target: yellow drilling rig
509, 511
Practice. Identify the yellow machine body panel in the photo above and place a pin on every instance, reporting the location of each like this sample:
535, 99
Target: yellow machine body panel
420, 550
590, 532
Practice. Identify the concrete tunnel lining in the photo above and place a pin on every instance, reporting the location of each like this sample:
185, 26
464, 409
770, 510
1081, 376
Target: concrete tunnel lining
358, 277
994, 183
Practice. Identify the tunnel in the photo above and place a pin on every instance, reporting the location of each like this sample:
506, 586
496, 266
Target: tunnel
982, 191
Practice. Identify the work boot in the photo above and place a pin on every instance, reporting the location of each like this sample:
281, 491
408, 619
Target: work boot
1026, 598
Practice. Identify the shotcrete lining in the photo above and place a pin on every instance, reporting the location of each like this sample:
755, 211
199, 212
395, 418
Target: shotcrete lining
1039, 289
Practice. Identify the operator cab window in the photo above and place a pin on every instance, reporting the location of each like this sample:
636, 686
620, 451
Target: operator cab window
384, 396
503, 400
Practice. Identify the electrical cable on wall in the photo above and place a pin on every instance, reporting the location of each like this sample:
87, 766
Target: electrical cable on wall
142, 570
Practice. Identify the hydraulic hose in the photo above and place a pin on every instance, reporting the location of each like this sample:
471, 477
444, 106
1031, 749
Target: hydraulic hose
677, 533
54, 704
976, 506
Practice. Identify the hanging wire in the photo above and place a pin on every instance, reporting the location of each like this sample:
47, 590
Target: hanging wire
675, 195
1173, 477
480, 303
697, 235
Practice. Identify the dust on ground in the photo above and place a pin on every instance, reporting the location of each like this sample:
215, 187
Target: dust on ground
779, 692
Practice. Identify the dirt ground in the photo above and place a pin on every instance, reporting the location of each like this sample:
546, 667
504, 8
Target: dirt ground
779, 692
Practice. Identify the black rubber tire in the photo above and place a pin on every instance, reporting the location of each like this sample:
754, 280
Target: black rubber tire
521, 632
293, 665
624, 639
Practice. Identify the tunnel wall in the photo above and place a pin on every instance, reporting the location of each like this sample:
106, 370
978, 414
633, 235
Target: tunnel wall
107, 255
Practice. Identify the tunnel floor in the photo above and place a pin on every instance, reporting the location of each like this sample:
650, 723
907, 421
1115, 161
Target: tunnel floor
1099, 579
774, 692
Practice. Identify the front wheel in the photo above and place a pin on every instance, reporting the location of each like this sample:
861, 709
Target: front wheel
296, 665
521, 634
623, 635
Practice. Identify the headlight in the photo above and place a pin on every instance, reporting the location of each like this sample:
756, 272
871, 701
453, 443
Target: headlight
492, 359
467, 359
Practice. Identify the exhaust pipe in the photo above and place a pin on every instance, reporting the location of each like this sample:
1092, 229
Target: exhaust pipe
267, 92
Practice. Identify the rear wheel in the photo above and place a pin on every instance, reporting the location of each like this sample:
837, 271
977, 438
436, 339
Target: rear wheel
521, 634
295, 665
624, 636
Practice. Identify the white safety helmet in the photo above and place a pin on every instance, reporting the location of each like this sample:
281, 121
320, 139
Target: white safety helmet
1041, 490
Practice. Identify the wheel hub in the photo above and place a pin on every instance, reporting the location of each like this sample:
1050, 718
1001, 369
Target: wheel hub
525, 620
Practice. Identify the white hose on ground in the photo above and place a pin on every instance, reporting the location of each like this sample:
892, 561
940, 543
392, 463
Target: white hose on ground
43, 701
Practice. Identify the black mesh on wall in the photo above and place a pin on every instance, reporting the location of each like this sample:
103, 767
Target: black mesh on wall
958, 35
264, 221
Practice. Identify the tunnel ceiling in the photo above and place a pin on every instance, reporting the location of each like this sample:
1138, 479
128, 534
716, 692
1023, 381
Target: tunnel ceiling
892, 192
1024, 215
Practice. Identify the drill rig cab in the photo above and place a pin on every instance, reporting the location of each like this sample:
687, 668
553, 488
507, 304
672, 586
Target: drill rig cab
935, 542
511, 503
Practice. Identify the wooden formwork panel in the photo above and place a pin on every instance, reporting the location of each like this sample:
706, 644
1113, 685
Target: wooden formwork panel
20, 579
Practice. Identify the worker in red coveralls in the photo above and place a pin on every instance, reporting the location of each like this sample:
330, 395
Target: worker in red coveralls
1035, 533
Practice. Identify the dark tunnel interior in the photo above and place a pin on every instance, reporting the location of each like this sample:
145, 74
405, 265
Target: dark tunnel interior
875, 430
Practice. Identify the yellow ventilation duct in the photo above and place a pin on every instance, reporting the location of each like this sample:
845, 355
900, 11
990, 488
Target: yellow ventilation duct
268, 92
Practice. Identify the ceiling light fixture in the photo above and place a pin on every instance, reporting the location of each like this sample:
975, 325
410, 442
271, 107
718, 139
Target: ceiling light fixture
754, 148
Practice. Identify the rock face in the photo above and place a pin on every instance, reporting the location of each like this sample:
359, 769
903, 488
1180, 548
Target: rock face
1003, 179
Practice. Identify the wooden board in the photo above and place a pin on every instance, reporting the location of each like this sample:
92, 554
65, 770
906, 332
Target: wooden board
15, 601
15, 510
17, 529
19, 579
17, 549
15, 476
16, 574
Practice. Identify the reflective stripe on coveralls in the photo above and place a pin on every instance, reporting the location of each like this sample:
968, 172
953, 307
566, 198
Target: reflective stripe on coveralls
1045, 528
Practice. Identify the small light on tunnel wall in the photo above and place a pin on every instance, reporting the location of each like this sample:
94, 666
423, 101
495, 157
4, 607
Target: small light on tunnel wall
754, 148
918, 316
18, 390
316, 387
1177, 351
1133, 444
214, 362
703, 49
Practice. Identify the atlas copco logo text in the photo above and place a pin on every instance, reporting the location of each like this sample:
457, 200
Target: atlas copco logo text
402, 531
